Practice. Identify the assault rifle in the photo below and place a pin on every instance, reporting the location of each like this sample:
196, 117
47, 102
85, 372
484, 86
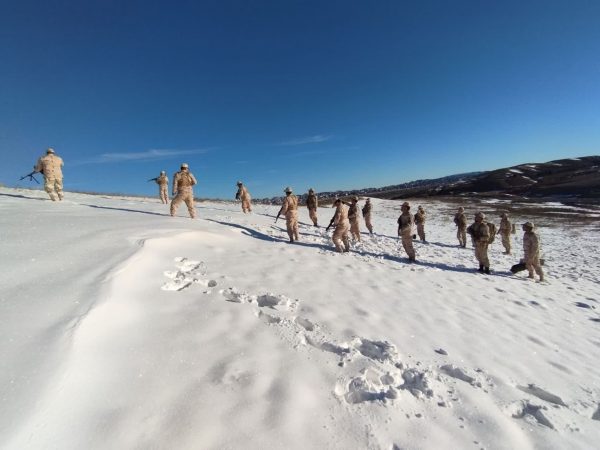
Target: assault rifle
30, 176
330, 223
152, 179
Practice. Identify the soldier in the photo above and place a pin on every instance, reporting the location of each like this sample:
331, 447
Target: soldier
163, 187
461, 223
50, 166
480, 233
504, 232
405, 231
183, 191
420, 222
243, 195
366, 211
353, 218
340, 236
531, 248
290, 209
312, 203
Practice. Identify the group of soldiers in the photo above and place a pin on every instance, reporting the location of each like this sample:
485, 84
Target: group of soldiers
345, 220
483, 233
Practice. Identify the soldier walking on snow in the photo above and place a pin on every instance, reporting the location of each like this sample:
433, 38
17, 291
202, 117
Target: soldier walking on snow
290, 210
340, 237
480, 233
50, 166
405, 231
163, 187
366, 212
312, 203
183, 182
531, 248
460, 221
353, 217
504, 232
420, 222
243, 195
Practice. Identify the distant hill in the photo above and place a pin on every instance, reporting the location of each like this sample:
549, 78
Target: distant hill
574, 179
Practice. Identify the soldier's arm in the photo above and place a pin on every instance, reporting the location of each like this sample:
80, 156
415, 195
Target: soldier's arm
193, 179
175, 179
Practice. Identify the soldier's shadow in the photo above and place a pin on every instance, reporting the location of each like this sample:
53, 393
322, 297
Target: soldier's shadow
126, 210
26, 197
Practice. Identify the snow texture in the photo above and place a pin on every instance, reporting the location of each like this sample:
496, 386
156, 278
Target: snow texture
126, 328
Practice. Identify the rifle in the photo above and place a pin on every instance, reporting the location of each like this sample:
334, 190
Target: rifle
278, 214
330, 223
30, 176
152, 179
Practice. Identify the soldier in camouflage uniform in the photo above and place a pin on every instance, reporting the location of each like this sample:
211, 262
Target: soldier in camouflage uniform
290, 210
51, 166
420, 222
366, 212
312, 203
504, 232
405, 231
353, 217
183, 181
531, 248
243, 195
460, 220
340, 236
163, 187
480, 233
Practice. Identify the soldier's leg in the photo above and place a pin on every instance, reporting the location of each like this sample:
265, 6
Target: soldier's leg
289, 228
421, 232
368, 223
295, 225
355, 230
485, 260
337, 239
346, 239
175, 203
189, 202
58, 187
538, 268
49, 188
312, 213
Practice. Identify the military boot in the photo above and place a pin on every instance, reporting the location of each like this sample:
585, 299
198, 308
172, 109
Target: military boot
486, 270
480, 268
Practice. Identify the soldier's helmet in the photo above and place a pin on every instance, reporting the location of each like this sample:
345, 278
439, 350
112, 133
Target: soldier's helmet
504, 215
461, 209
288, 190
405, 205
420, 208
185, 166
50, 150
528, 226
479, 215
311, 191
368, 200
335, 202
355, 198
162, 172
239, 183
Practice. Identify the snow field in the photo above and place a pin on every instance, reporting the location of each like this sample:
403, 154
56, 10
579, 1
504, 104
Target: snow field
216, 333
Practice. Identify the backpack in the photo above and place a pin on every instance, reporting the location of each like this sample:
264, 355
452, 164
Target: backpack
492, 229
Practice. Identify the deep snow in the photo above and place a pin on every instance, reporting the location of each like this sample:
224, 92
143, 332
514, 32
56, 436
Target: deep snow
126, 328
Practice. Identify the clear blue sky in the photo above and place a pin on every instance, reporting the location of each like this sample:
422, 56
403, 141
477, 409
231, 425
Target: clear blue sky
328, 94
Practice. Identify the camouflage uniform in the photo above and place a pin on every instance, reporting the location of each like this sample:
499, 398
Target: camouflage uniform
183, 191
290, 209
50, 166
243, 195
461, 223
531, 248
353, 217
405, 231
366, 211
163, 187
340, 237
420, 222
480, 233
312, 203
504, 232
